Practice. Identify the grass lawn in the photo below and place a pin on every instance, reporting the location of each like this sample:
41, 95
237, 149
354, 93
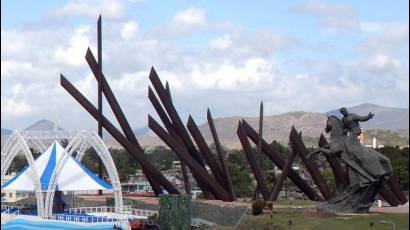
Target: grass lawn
308, 220
297, 202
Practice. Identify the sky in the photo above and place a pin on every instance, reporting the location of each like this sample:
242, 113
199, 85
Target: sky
226, 55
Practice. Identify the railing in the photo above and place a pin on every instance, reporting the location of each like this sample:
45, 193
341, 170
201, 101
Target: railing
143, 212
121, 222
3, 206
15, 213
106, 209
7, 216
8, 212
83, 219
120, 219
99, 209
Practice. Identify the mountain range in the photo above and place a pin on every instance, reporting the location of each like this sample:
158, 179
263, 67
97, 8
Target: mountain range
389, 125
395, 119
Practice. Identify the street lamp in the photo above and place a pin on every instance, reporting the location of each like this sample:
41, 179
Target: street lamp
389, 222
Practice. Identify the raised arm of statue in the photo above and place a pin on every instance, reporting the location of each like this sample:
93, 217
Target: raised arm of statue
363, 118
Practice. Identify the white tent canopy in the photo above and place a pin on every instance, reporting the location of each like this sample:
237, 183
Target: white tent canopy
74, 175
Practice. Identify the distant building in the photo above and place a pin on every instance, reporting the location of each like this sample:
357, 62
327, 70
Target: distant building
142, 186
137, 183
361, 136
176, 164
12, 195
195, 193
374, 145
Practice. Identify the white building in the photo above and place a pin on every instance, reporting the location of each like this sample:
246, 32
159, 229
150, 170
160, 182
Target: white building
374, 145
195, 193
137, 187
12, 195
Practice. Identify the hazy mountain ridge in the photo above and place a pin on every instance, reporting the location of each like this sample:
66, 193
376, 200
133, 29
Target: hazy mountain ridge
394, 119
389, 125
44, 125
6, 131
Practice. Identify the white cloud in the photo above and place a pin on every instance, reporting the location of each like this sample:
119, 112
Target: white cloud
190, 17
183, 23
221, 43
12, 108
389, 41
110, 9
331, 16
129, 30
74, 53
239, 44
382, 64
8, 67
371, 27
254, 74
231, 74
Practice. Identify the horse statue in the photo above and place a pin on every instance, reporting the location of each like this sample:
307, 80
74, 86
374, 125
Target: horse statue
367, 169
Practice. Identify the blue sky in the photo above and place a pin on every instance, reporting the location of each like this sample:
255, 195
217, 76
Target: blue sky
293, 55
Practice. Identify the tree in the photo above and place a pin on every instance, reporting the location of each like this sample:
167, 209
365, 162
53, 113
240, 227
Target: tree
125, 164
329, 178
241, 180
399, 159
271, 179
162, 157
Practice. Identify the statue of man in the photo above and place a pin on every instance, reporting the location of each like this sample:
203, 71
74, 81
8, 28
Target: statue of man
351, 121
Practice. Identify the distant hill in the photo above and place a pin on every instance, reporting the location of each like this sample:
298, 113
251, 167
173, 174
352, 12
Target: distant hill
142, 131
275, 127
390, 126
394, 119
43, 125
6, 131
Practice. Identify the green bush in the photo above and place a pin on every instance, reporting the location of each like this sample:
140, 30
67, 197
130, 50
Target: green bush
153, 218
269, 204
258, 206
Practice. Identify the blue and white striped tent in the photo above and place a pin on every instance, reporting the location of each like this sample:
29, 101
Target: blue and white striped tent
74, 175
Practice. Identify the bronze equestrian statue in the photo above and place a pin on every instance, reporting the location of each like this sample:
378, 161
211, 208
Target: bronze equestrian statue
368, 170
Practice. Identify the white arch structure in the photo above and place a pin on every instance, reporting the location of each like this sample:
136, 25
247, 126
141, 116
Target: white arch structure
13, 146
79, 143
82, 140
38, 144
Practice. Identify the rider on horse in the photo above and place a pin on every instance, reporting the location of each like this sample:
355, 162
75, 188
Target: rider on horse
350, 121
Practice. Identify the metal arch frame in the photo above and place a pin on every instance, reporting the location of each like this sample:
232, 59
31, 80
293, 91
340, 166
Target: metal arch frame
14, 145
38, 144
81, 152
81, 140
7, 145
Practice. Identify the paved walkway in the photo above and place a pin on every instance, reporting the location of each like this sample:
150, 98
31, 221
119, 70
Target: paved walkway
400, 209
